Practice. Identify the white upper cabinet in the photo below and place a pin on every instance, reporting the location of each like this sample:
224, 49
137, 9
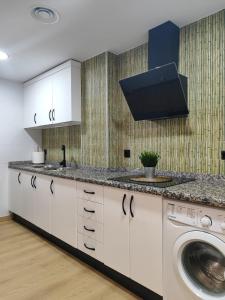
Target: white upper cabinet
30, 105
54, 98
43, 98
66, 95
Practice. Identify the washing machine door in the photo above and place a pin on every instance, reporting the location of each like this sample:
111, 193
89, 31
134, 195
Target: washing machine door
199, 259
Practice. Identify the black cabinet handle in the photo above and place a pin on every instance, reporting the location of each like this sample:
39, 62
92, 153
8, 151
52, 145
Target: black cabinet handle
88, 229
87, 192
49, 114
51, 186
53, 115
31, 181
124, 198
18, 178
35, 121
34, 182
131, 201
89, 248
89, 211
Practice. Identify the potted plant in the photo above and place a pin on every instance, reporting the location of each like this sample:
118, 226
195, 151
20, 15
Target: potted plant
149, 160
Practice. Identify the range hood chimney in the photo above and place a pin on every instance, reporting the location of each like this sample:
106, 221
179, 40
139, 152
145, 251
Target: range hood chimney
160, 92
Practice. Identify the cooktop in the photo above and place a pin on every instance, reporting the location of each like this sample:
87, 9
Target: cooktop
173, 181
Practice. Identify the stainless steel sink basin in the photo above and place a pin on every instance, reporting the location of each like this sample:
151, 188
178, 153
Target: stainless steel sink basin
51, 167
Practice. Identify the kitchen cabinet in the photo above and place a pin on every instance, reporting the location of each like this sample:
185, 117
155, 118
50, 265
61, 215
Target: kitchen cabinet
121, 228
42, 196
37, 103
31, 105
90, 219
54, 98
64, 211
30, 197
43, 98
133, 236
116, 230
146, 241
49, 203
15, 192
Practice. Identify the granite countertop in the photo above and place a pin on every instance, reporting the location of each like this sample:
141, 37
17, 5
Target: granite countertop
205, 189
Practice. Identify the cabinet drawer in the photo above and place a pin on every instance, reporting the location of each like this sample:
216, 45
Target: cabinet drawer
90, 229
89, 191
90, 247
90, 210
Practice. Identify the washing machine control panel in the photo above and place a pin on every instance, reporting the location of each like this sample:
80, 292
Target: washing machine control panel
207, 218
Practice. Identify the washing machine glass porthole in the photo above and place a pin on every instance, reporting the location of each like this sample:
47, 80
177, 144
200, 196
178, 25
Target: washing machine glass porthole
205, 265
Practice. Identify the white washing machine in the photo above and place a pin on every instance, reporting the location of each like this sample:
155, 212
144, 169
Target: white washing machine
193, 252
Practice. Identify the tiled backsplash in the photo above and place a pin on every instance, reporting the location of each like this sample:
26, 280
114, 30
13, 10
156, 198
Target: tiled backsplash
192, 144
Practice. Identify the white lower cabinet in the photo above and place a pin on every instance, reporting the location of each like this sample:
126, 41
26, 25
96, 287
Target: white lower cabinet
64, 211
49, 203
90, 246
133, 236
120, 228
146, 241
30, 197
28, 194
16, 202
90, 219
116, 230
91, 229
42, 202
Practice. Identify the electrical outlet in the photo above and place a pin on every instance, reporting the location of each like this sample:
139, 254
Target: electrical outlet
223, 154
127, 153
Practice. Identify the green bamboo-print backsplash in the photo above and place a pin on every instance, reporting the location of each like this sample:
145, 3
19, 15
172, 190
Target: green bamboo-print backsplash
190, 144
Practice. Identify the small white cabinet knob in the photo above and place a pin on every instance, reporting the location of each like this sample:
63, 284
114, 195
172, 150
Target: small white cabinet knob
222, 225
206, 221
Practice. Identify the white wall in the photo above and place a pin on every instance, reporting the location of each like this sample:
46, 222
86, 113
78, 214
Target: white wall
15, 142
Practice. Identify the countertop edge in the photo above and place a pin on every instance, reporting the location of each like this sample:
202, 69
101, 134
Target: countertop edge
179, 192
109, 183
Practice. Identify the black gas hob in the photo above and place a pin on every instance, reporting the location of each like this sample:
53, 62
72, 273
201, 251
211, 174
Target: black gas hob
173, 181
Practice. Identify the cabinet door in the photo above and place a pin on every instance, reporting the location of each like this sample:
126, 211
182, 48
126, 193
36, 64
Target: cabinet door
30, 105
43, 97
28, 197
116, 230
146, 241
42, 202
15, 192
61, 88
64, 211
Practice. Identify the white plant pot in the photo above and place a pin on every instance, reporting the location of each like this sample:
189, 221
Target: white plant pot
149, 172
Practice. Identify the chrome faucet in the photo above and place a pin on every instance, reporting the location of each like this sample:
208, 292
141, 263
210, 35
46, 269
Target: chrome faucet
63, 162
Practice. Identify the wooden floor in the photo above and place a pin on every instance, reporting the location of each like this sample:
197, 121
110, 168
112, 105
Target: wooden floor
31, 268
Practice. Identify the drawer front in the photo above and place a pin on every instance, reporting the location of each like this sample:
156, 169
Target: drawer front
90, 210
90, 229
90, 247
91, 192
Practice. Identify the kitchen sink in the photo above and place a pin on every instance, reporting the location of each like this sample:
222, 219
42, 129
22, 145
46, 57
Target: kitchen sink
52, 167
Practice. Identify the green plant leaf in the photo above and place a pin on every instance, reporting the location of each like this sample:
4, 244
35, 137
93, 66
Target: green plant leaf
149, 158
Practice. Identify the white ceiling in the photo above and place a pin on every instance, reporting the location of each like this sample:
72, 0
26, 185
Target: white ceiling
86, 28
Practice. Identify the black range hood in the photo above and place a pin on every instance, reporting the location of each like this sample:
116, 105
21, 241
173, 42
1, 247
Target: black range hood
160, 92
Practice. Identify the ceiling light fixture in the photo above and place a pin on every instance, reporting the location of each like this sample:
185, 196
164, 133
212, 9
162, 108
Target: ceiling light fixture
3, 55
45, 15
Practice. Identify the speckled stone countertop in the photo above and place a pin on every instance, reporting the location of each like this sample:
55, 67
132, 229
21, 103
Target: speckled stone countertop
205, 189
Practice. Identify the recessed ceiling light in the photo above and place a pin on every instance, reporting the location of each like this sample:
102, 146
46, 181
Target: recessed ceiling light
3, 55
45, 15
